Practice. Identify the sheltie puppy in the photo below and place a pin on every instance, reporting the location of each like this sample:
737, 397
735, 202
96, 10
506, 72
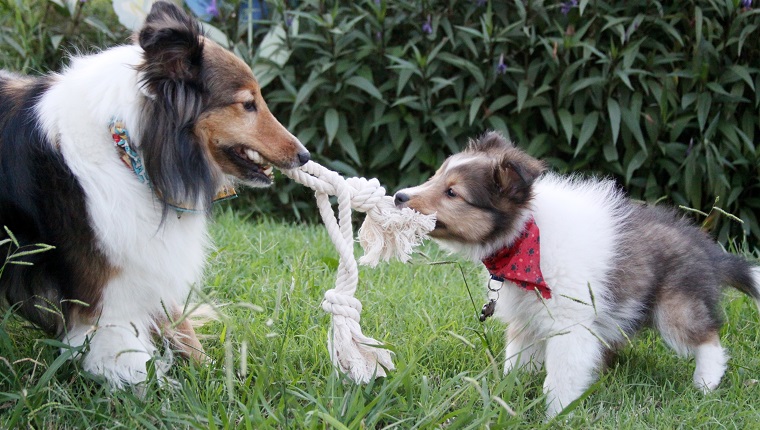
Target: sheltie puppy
115, 162
576, 268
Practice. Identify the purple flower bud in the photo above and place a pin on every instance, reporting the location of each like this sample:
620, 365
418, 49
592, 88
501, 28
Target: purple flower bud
566, 7
481, 3
427, 27
501, 68
377, 2
288, 20
746, 4
211, 9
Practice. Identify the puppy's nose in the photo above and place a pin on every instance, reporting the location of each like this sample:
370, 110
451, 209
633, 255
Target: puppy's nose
400, 199
304, 157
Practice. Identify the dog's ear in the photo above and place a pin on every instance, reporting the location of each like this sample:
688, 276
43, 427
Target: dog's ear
515, 173
492, 140
172, 45
175, 160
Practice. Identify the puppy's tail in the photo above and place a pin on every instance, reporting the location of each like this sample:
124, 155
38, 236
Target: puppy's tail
756, 284
742, 275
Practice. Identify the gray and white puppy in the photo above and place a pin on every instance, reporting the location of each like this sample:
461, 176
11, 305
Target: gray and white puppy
577, 267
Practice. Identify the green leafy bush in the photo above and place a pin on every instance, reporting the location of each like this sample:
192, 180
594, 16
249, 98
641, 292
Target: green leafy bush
659, 95
36, 35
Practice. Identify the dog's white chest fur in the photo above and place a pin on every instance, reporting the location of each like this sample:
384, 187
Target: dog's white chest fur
579, 223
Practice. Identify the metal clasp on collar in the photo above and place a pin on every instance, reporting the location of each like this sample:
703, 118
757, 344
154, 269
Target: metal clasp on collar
494, 285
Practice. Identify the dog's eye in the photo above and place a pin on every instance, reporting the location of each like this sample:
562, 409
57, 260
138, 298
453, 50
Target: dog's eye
450, 192
250, 106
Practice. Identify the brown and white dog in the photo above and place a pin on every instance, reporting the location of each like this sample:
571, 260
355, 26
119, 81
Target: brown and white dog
96, 160
576, 268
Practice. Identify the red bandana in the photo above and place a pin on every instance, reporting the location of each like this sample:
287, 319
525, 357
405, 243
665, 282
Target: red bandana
519, 263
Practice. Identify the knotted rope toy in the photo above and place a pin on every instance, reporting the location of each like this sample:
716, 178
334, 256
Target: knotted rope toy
387, 232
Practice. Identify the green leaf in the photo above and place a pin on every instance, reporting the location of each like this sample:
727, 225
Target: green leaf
365, 85
548, 115
18, 48
411, 150
55, 40
567, 123
348, 145
697, 27
332, 121
582, 6
498, 124
610, 151
636, 162
475, 108
587, 130
306, 90
631, 121
687, 99
741, 71
624, 77
407, 100
704, 100
99, 25
522, 94
586, 82
746, 31
613, 109
717, 89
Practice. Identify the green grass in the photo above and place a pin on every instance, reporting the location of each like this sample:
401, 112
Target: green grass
270, 367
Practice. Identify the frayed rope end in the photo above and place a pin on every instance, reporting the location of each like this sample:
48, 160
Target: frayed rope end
360, 357
389, 233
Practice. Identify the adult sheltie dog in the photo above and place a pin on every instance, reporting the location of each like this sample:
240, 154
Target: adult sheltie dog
115, 162
576, 268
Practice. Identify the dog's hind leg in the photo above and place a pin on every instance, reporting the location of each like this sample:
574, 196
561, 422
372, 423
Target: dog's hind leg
572, 361
711, 361
181, 331
689, 325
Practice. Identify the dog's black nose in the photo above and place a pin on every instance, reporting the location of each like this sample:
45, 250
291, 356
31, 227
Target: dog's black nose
400, 198
304, 157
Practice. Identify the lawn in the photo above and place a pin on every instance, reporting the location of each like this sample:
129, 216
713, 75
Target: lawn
269, 366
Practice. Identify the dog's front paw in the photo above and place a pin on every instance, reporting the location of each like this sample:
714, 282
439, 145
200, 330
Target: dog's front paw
121, 355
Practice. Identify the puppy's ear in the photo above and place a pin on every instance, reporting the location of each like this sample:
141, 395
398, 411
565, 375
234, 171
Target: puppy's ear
172, 45
492, 140
515, 173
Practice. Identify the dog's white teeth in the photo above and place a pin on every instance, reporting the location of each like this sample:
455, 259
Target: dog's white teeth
268, 171
253, 155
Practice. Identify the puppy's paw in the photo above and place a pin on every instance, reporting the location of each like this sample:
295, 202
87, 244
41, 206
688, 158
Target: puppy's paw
711, 361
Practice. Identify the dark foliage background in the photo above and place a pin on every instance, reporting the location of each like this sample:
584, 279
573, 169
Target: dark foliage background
661, 96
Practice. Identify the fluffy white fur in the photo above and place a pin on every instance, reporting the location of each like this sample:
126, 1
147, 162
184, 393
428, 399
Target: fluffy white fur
578, 243
123, 212
613, 266
124, 261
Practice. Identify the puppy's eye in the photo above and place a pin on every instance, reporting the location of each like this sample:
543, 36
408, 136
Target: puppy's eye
450, 192
249, 106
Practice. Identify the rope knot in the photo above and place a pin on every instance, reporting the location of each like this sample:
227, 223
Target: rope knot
338, 303
386, 232
365, 193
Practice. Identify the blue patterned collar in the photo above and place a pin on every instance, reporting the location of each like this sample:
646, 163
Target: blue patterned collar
132, 159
